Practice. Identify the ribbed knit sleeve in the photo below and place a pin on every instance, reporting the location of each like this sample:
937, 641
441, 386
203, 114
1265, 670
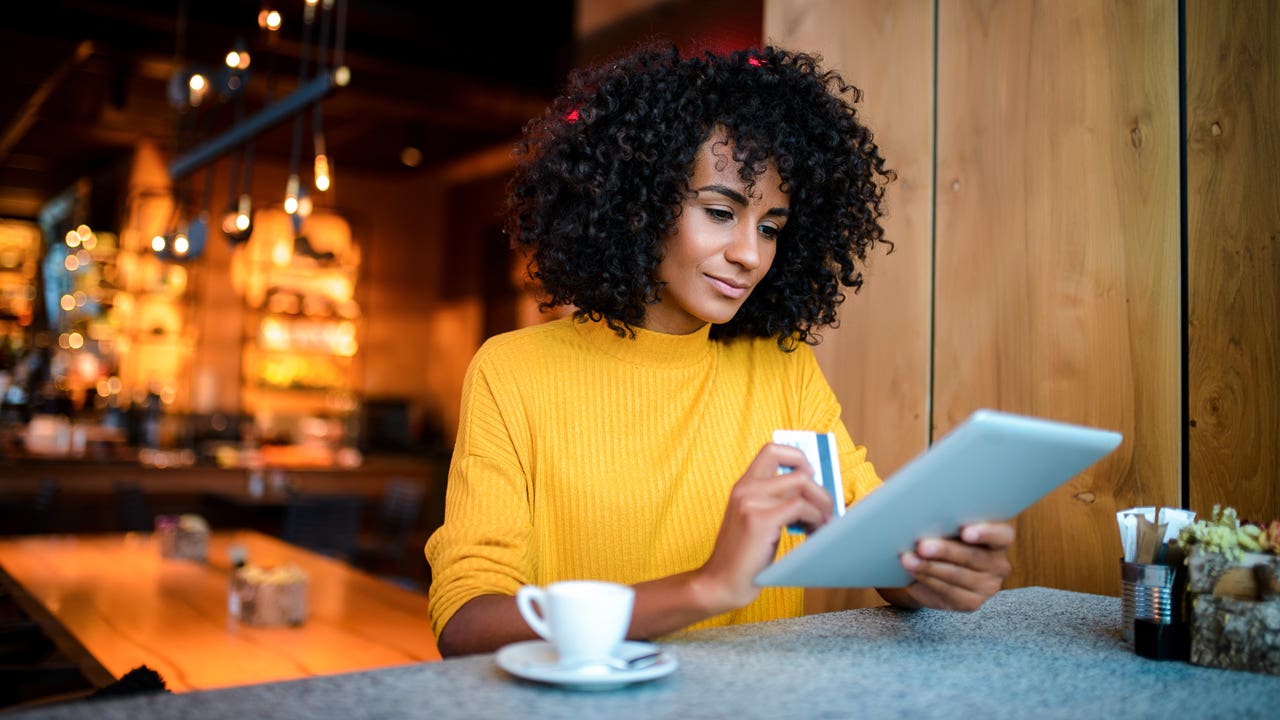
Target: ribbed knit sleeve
485, 548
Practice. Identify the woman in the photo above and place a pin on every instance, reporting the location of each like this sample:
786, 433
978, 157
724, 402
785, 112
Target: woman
701, 216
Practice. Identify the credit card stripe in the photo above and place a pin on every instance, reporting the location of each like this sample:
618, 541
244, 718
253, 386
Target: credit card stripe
824, 459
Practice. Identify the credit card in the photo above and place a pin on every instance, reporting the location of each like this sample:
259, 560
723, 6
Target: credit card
820, 450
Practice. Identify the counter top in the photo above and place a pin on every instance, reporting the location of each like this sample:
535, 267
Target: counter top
1032, 652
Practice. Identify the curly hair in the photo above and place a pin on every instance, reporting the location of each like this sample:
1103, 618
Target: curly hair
602, 176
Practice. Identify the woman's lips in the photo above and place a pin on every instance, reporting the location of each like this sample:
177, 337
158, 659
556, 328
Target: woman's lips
728, 288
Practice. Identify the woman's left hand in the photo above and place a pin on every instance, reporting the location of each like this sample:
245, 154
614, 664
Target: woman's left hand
953, 574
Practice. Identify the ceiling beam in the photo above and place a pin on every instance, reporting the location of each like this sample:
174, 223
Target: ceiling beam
31, 108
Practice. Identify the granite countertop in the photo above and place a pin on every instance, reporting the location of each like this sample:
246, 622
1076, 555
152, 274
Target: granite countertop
1027, 652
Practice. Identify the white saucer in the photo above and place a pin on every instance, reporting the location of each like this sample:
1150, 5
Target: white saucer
537, 660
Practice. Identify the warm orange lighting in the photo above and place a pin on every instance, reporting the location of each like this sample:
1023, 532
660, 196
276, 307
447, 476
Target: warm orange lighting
242, 221
410, 156
291, 194
79, 298
72, 239
269, 19
75, 340
181, 245
157, 243
237, 60
72, 263
67, 303
198, 85
90, 242
322, 172
282, 252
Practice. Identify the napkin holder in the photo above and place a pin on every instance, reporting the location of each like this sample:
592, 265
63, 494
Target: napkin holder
1235, 611
271, 597
183, 536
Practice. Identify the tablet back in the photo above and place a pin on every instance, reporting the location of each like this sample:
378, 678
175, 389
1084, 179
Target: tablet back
991, 467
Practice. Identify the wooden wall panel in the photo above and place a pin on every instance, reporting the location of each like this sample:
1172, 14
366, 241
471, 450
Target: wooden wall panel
1057, 252
1233, 255
878, 359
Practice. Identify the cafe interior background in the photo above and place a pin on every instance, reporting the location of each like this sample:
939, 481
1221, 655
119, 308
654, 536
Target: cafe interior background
1085, 224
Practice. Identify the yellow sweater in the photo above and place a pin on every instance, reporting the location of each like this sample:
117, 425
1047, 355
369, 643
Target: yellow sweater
582, 455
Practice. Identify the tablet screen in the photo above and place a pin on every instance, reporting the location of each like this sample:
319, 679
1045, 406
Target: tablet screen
991, 467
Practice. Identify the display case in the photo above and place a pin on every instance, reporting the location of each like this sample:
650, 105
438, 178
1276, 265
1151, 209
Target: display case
19, 259
301, 335
153, 289
19, 255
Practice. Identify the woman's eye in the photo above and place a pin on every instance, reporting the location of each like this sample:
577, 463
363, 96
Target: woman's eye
770, 231
719, 214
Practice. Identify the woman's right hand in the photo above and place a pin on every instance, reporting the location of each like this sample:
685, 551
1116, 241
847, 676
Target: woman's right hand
761, 504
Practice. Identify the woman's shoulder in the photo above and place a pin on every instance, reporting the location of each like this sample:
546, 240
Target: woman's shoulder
526, 343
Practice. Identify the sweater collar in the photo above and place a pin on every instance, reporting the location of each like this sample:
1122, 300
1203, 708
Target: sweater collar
648, 348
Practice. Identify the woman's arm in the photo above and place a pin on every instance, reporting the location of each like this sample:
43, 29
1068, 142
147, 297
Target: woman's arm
761, 504
488, 622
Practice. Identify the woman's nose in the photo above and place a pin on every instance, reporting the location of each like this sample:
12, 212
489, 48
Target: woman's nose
744, 250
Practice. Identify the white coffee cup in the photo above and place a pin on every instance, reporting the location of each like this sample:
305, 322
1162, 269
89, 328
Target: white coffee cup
585, 620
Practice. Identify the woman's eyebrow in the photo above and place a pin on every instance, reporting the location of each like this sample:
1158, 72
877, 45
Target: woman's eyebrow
739, 198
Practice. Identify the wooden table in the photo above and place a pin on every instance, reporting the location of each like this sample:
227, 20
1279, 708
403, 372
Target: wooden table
119, 604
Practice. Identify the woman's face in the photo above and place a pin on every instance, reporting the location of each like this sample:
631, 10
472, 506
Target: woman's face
722, 246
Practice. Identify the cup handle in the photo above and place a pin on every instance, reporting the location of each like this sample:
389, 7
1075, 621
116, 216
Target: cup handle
527, 598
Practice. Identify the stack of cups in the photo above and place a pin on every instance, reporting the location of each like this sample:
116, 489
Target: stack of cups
1148, 594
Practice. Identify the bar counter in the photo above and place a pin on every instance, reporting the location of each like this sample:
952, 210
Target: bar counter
86, 501
1031, 652
86, 476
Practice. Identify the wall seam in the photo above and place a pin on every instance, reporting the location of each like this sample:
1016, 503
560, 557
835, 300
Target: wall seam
933, 243
1183, 250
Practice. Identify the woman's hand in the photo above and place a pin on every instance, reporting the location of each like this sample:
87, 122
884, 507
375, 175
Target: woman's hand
761, 504
956, 574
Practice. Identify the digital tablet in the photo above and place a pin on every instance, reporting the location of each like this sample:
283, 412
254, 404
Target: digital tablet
991, 467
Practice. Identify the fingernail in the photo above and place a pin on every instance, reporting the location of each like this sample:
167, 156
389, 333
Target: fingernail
929, 548
911, 562
971, 535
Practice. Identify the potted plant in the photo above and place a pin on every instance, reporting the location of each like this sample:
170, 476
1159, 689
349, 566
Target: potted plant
1233, 597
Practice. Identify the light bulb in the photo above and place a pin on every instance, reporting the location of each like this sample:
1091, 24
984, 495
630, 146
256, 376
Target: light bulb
157, 243
198, 85
181, 245
291, 194
322, 172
